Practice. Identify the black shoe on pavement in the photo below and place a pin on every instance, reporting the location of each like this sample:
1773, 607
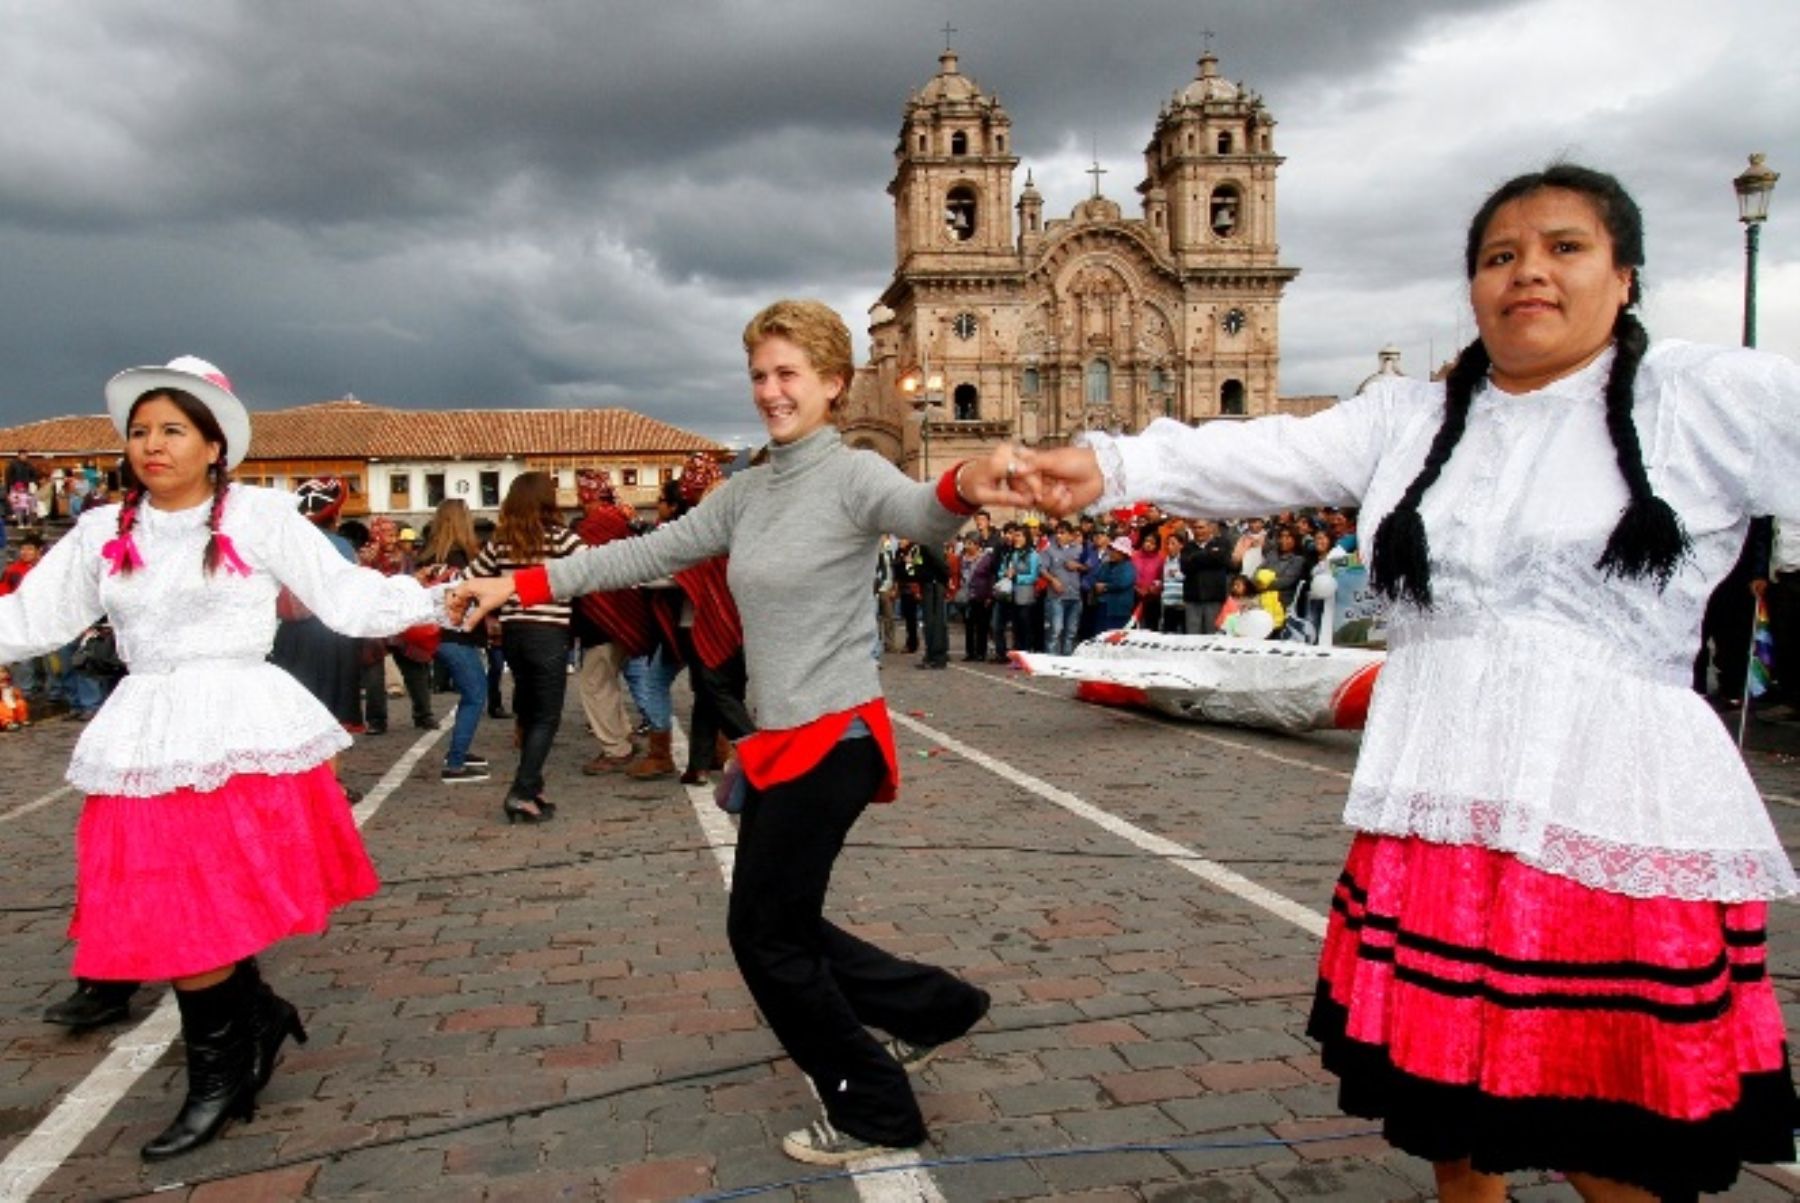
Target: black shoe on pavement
913, 1057
467, 773
499, 712
430, 722
375, 729
475, 762
92, 1004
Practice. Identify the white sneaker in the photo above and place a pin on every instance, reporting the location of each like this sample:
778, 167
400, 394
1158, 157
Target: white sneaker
821, 1144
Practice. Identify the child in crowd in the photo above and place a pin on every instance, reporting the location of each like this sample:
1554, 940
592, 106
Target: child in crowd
1237, 597
15, 712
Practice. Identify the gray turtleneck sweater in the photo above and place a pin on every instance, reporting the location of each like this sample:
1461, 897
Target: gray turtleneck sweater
802, 531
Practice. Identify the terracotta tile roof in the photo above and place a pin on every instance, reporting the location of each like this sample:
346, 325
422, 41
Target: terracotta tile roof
53, 435
444, 434
350, 429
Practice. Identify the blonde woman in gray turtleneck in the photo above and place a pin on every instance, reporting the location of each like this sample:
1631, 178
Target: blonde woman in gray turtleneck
803, 532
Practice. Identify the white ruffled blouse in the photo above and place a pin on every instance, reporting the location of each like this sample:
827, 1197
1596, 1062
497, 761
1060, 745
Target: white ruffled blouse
201, 702
1539, 708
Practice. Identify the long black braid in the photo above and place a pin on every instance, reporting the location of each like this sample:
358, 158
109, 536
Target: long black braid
221, 484
128, 512
1648, 539
1402, 560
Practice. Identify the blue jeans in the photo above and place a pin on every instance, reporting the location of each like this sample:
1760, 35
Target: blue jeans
467, 675
648, 678
83, 690
1062, 615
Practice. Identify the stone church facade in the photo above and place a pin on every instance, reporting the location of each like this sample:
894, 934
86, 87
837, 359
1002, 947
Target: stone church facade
1001, 324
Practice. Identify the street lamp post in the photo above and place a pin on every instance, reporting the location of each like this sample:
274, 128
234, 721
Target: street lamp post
1754, 188
924, 391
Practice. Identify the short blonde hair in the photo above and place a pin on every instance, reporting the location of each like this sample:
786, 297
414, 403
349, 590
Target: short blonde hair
816, 329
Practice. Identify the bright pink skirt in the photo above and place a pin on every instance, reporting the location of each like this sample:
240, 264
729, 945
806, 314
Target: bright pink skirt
1485, 1009
183, 883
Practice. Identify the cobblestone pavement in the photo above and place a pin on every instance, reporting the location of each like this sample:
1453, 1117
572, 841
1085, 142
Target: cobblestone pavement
552, 1012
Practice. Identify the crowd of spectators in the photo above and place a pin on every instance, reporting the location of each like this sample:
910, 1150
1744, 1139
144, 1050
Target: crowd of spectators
1044, 587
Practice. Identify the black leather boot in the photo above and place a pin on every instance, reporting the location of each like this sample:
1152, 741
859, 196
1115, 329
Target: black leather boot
92, 1004
272, 1020
215, 1025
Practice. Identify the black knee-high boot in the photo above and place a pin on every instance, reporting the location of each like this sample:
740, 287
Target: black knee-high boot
272, 1020
215, 1024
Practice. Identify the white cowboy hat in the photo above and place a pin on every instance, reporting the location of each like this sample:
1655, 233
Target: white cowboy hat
195, 377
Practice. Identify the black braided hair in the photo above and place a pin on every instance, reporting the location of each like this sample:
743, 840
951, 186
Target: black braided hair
1648, 539
128, 510
221, 483
1401, 565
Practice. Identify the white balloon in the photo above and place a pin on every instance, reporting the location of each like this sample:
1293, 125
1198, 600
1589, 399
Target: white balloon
1255, 623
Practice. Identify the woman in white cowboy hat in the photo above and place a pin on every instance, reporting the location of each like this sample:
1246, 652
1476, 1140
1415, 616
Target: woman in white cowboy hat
213, 825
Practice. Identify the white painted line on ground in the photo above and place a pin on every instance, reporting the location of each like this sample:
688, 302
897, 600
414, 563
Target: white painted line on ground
719, 828
132, 1054
26, 808
1192, 732
892, 1184
1180, 856
396, 776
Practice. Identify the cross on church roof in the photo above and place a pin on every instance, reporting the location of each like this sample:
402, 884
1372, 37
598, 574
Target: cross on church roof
1207, 37
948, 30
1096, 171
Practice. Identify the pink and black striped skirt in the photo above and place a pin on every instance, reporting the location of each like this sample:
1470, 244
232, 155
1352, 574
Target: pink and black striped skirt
1484, 1009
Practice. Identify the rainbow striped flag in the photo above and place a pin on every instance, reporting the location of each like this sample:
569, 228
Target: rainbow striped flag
1762, 653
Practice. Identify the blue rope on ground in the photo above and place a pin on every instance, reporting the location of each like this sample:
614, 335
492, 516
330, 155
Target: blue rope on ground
1171, 1146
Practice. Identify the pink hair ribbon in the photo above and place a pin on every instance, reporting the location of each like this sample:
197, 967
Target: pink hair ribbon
122, 553
228, 553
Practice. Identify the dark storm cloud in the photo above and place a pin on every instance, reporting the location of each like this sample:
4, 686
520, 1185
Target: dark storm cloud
562, 203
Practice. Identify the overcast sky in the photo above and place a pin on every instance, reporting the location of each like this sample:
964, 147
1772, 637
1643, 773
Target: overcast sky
557, 203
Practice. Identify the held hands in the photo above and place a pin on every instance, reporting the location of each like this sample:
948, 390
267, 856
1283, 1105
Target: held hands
471, 600
994, 480
1059, 481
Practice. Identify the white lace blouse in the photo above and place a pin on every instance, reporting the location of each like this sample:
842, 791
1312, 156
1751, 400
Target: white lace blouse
1539, 707
201, 702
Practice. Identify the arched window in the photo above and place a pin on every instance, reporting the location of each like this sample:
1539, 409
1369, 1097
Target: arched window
966, 402
1000, 143
921, 143
1225, 142
1029, 382
959, 143
1190, 142
1224, 210
1231, 399
959, 213
1099, 383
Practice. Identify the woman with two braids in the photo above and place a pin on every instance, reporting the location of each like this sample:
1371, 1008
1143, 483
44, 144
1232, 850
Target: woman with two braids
1547, 948
214, 825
